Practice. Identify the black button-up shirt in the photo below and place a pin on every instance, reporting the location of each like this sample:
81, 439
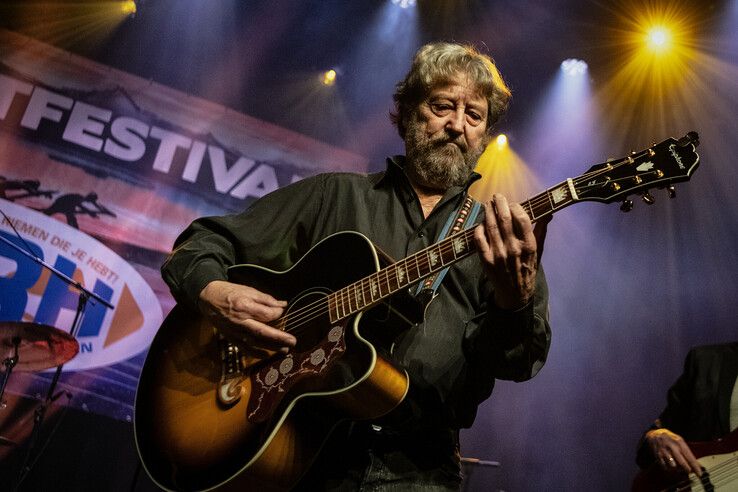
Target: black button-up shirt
465, 343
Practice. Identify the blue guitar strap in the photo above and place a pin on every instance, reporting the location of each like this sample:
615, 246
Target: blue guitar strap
461, 218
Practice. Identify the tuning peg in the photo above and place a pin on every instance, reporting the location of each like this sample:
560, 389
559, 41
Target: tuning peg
648, 198
672, 191
627, 205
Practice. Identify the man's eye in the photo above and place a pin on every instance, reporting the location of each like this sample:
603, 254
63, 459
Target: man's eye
439, 107
475, 118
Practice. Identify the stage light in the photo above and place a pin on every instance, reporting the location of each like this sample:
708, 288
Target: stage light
658, 39
128, 7
329, 77
404, 3
573, 66
501, 140
504, 171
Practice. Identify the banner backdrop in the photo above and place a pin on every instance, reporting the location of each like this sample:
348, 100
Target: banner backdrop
99, 172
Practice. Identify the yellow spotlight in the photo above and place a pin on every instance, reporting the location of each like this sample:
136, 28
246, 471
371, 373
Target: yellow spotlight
128, 7
329, 77
658, 39
501, 140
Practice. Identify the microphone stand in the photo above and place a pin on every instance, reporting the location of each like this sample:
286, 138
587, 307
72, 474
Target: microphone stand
9, 364
84, 296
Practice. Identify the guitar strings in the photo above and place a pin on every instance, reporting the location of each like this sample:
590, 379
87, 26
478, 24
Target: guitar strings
320, 307
349, 296
359, 291
721, 474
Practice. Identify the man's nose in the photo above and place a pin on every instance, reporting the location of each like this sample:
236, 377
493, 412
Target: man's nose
455, 122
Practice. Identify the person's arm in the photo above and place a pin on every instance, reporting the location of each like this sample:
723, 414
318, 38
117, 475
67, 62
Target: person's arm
269, 233
670, 451
513, 337
662, 442
242, 312
511, 344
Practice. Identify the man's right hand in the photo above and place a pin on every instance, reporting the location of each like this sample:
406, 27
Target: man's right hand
672, 452
242, 313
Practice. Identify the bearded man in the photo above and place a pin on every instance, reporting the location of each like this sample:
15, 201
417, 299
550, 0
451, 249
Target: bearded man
488, 317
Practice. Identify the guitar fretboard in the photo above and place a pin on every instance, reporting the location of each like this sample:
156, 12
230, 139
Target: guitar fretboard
404, 273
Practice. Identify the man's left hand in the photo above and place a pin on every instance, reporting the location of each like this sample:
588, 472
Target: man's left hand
509, 251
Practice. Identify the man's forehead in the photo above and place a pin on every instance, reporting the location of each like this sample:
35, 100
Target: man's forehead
454, 88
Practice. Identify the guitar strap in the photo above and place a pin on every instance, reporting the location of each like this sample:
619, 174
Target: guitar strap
461, 218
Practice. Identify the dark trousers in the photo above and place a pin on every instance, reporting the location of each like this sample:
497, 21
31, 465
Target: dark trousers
359, 457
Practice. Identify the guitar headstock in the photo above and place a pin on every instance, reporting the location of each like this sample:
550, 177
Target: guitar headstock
659, 166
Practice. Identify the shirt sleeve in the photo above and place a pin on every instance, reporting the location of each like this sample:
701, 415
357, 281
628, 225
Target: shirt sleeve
271, 233
675, 416
512, 345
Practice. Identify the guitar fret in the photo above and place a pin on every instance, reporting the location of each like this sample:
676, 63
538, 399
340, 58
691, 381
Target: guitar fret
337, 302
447, 255
432, 259
363, 296
344, 301
356, 296
411, 272
540, 211
401, 275
550, 199
529, 210
332, 306
458, 246
349, 297
437, 260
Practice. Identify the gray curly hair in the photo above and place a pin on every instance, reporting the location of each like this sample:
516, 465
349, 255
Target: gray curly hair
437, 63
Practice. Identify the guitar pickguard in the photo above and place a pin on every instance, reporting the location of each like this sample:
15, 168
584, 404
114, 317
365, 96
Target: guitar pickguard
272, 383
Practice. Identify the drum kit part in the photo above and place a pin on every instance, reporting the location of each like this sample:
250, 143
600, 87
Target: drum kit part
32, 347
35, 347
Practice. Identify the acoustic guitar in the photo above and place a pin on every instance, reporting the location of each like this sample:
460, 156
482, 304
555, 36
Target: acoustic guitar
212, 413
719, 460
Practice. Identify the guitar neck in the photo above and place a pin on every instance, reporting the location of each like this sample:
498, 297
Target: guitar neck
404, 273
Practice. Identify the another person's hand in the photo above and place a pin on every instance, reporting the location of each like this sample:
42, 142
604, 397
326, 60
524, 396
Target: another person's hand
242, 313
672, 452
507, 245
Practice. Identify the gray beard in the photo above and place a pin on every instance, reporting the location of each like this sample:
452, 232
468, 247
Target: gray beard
438, 164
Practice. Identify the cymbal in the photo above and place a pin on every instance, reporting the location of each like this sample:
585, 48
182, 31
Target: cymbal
39, 346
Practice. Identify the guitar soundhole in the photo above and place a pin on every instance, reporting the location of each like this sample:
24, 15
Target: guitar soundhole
307, 319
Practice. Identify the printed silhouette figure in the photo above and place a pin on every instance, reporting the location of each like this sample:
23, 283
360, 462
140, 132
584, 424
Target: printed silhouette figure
30, 186
71, 205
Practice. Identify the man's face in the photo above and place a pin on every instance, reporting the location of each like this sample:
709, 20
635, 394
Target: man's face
446, 135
